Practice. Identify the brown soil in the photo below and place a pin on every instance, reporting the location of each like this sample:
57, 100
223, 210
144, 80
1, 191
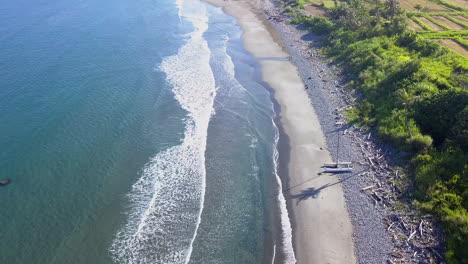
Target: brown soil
454, 46
462, 19
461, 3
414, 26
448, 23
315, 10
430, 24
409, 5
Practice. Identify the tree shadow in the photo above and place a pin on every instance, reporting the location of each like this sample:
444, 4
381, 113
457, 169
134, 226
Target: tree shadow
312, 39
311, 192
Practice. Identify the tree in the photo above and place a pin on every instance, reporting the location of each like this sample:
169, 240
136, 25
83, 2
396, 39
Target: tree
392, 9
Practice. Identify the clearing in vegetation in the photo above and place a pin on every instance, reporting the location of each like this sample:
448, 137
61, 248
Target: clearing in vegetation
454, 46
433, 26
448, 23
414, 26
315, 10
420, 5
461, 3
461, 19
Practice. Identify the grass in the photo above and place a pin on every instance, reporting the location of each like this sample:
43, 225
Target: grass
449, 34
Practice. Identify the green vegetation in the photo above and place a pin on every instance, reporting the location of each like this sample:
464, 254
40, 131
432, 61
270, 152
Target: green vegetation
415, 95
451, 5
456, 21
449, 34
436, 22
462, 42
420, 23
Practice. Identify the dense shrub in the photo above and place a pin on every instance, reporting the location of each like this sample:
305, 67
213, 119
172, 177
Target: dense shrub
320, 25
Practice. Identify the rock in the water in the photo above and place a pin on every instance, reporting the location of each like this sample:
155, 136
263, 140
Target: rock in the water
4, 182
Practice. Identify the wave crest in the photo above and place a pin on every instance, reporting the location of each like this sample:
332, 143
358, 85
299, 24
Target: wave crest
167, 201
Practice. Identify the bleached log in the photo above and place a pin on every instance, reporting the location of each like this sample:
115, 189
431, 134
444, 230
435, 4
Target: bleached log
411, 236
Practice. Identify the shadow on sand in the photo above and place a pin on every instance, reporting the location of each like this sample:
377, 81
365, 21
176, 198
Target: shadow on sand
309, 193
313, 192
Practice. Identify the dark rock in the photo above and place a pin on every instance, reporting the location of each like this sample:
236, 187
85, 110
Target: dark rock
4, 182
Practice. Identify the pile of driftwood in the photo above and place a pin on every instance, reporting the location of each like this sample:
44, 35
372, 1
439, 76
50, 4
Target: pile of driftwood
275, 16
416, 237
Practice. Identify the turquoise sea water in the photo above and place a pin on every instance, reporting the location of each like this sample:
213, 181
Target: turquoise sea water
133, 132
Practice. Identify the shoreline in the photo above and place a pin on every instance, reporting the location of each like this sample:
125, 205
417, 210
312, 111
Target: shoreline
325, 87
382, 218
322, 230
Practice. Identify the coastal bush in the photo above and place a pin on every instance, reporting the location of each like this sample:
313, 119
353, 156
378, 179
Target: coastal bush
319, 25
437, 115
415, 95
446, 197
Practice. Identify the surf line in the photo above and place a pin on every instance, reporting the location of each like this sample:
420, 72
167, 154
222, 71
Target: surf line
172, 187
199, 20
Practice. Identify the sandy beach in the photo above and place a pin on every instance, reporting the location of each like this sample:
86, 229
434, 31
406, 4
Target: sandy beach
322, 230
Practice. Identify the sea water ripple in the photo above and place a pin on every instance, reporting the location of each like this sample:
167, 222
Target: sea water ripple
167, 201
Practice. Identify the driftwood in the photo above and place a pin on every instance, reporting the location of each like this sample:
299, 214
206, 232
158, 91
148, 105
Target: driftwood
411, 235
420, 228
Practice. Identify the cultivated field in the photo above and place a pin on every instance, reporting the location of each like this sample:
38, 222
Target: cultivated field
454, 46
428, 6
444, 21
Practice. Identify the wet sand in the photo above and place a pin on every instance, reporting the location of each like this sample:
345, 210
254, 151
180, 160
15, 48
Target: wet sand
322, 230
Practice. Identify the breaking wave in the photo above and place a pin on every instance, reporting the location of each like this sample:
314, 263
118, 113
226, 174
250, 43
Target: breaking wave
167, 201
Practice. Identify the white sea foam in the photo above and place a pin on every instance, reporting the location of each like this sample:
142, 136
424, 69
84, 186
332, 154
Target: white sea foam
167, 201
286, 230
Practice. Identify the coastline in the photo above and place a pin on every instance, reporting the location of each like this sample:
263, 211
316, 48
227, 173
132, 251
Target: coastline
322, 230
383, 218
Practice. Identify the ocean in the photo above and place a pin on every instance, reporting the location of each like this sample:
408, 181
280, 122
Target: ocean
135, 132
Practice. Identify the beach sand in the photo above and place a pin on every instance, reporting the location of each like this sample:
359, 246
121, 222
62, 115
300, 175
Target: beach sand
322, 230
